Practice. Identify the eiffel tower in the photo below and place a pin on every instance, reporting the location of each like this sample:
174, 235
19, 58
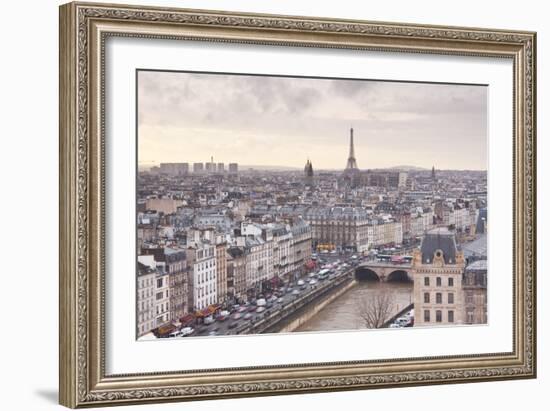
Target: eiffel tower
352, 163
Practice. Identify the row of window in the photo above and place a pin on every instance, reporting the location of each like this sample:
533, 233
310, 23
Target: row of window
439, 298
147, 326
205, 253
204, 303
206, 290
209, 276
259, 256
160, 295
207, 264
471, 317
471, 298
147, 294
438, 281
162, 308
162, 319
145, 317
146, 283
149, 305
439, 316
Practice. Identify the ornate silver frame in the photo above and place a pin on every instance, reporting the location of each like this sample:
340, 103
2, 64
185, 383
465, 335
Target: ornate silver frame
83, 30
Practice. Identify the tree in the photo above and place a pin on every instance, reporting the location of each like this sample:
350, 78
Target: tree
377, 310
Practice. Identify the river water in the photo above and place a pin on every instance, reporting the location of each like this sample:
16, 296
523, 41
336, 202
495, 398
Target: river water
343, 312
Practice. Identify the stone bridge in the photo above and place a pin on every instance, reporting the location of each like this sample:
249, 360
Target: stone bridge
382, 271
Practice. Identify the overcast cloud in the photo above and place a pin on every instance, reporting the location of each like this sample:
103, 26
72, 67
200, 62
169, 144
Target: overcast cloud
259, 120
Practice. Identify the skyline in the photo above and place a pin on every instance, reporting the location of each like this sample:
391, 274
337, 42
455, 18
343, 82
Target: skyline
283, 121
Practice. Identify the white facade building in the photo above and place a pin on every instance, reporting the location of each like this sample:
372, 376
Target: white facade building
145, 299
201, 258
162, 298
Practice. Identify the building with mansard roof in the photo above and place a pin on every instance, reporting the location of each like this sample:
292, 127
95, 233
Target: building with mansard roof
438, 266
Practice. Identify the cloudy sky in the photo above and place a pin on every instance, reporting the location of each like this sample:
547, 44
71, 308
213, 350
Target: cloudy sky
261, 120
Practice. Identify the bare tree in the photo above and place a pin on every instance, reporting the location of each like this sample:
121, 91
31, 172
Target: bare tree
377, 310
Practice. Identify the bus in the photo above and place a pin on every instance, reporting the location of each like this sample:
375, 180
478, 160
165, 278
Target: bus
401, 259
383, 257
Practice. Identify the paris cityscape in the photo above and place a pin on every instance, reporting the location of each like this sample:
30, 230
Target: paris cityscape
247, 241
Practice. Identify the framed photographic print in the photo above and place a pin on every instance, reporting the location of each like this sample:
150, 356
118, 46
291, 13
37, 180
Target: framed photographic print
260, 204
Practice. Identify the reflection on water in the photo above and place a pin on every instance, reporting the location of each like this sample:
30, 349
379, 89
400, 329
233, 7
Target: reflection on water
343, 313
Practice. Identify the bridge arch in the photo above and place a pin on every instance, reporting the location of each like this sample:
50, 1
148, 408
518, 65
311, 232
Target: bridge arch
400, 276
366, 274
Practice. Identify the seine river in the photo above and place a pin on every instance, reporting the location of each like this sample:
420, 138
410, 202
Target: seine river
343, 313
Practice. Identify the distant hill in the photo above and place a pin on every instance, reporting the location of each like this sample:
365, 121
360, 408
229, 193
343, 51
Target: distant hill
245, 167
408, 168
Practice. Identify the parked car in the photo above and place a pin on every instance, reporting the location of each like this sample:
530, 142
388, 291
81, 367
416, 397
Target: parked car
233, 324
247, 316
260, 302
260, 309
236, 316
185, 331
209, 320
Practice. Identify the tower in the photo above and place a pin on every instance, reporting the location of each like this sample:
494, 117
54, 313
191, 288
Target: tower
308, 173
433, 173
351, 174
352, 163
